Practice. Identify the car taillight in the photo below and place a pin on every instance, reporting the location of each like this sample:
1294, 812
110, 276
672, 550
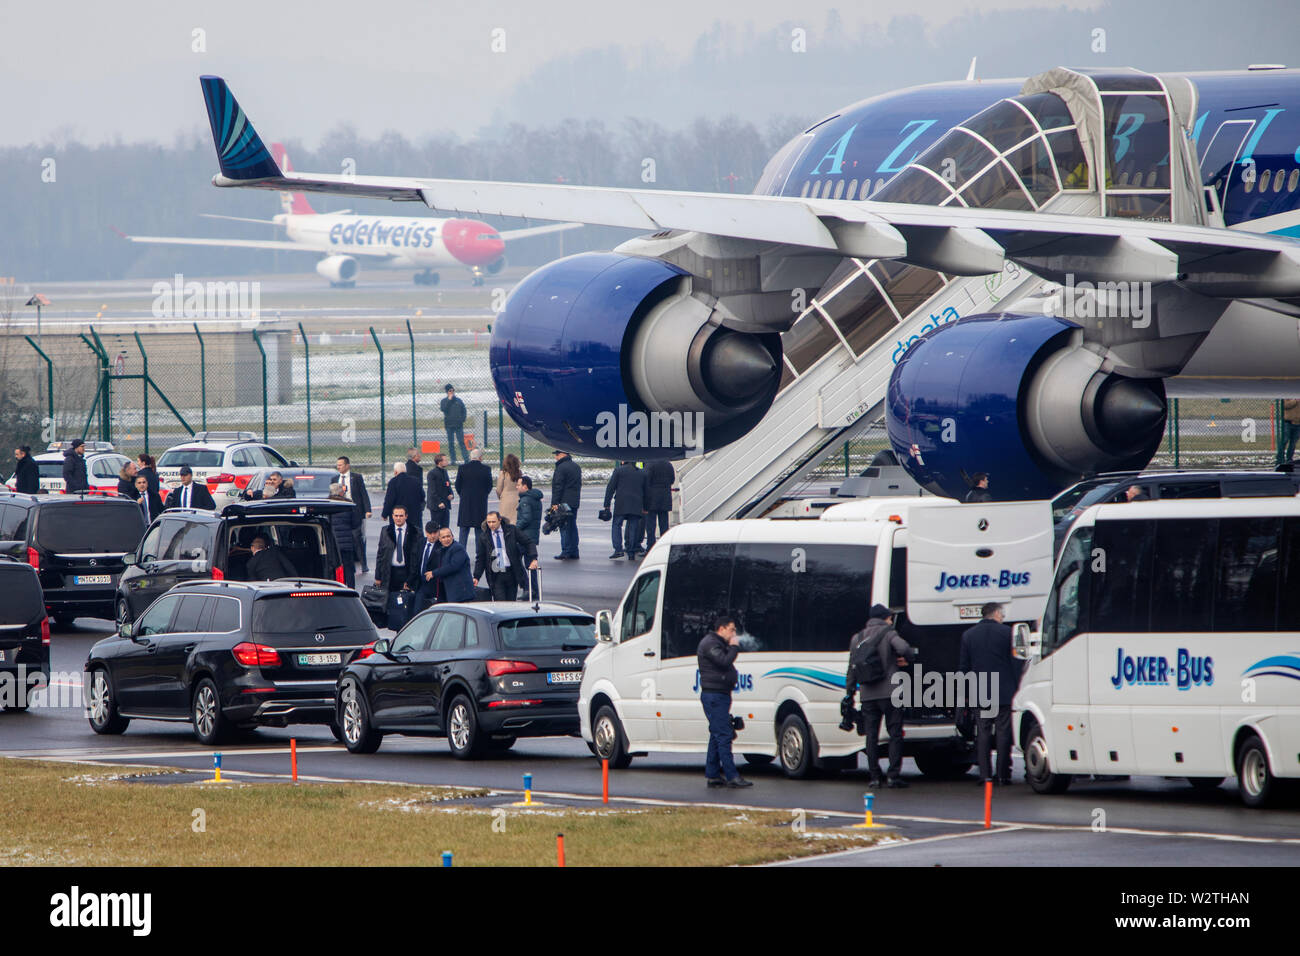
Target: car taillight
218, 574
365, 652
497, 668
220, 479
338, 574
45, 630
241, 481
513, 703
33, 558
256, 655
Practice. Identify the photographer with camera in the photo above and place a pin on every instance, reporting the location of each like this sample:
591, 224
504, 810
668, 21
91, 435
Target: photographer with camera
716, 657
566, 490
876, 653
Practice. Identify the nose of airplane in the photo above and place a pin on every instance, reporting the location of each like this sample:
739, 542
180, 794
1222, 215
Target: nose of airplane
473, 242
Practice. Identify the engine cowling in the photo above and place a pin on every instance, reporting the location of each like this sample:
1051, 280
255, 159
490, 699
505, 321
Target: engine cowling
611, 355
338, 268
1021, 398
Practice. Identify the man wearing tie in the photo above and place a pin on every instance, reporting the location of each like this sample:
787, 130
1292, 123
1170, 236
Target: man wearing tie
443, 571
150, 504
505, 556
189, 493
399, 552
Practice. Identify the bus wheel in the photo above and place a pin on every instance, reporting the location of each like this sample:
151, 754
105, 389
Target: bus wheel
1205, 784
1037, 768
795, 744
942, 764
1255, 781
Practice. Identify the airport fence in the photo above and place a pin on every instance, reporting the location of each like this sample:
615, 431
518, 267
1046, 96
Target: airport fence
371, 393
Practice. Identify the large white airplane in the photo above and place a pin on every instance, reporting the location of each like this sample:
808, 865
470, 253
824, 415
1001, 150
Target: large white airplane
393, 241
1014, 274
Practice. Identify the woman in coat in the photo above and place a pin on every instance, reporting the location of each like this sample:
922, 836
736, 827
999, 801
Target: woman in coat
507, 493
147, 466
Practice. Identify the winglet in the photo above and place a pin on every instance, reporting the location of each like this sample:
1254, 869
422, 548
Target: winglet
240, 150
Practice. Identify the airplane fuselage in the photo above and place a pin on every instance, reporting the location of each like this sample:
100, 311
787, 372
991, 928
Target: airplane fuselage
421, 243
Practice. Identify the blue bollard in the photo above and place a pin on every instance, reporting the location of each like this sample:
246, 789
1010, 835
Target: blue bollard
446, 857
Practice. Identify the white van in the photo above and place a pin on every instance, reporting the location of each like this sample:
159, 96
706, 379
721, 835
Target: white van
1170, 646
800, 590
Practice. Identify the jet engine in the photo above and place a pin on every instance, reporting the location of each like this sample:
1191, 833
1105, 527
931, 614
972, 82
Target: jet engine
1021, 398
615, 356
340, 270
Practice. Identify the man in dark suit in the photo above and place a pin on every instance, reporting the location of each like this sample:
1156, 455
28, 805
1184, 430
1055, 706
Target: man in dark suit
399, 554
442, 573
566, 489
275, 487
354, 489
473, 485
626, 487
659, 478
267, 563
74, 468
505, 556
150, 504
190, 493
986, 650
440, 493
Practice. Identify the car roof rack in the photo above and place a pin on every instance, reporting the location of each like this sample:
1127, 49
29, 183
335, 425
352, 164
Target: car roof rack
88, 445
223, 436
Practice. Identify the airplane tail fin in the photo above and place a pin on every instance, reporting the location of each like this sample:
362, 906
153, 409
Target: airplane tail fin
293, 203
240, 151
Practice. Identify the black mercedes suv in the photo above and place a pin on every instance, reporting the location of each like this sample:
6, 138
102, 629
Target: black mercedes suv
76, 543
24, 635
229, 655
481, 675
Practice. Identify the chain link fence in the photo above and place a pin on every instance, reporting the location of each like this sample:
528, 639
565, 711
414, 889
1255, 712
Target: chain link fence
371, 393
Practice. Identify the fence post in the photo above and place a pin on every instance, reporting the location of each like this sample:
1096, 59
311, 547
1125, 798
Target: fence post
144, 387
522, 456
265, 418
99, 391
49, 371
411, 335
105, 408
482, 436
383, 431
306, 364
501, 435
203, 375
1279, 431
1177, 435
846, 459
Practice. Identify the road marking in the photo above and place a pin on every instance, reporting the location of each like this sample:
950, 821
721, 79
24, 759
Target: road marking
891, 844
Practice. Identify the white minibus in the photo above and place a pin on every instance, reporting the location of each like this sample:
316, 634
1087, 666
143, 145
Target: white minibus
1170, 645
800, 590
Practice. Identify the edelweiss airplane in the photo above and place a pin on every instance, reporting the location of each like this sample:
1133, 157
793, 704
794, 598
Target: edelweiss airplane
1013, 274
394, 241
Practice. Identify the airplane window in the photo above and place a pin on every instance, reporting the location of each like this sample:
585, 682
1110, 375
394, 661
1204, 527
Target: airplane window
1277, 182
839, 189
1249, 180
1071, 161
817, 189
852, 191
880, 184
1293, 180
806, 186
1263, 180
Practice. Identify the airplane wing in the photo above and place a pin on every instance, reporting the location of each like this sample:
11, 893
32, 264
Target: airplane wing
283, 245
511, 234
1211, 261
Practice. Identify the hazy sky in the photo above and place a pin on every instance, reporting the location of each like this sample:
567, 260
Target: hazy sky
100, 71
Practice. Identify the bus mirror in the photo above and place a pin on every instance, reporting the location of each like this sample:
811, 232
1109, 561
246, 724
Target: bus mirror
1020, 639
604, 627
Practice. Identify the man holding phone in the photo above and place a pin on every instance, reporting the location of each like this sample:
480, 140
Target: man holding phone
716, 656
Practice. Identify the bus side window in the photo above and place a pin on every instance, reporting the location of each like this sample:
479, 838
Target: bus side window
1066, 613
898, 578
696, 588
639, 611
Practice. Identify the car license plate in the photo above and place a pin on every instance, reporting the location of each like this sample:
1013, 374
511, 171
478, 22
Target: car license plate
564, 677
93, 579
970, 612
319, 659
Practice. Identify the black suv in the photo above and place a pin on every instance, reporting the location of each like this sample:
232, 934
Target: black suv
480, 675
76, 543
24, 635
227, 655
193, 544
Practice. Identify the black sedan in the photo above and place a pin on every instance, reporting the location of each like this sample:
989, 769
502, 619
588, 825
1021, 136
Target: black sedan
481, 675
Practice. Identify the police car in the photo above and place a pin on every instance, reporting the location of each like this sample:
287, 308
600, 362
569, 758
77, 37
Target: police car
102, 466
225, 461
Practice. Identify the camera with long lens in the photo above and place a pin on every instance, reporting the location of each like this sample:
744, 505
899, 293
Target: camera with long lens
557, 518
850, 717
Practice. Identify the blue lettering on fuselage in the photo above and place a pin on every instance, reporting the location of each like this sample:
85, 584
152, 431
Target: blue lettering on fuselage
949, 314
888, 166
835, 154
